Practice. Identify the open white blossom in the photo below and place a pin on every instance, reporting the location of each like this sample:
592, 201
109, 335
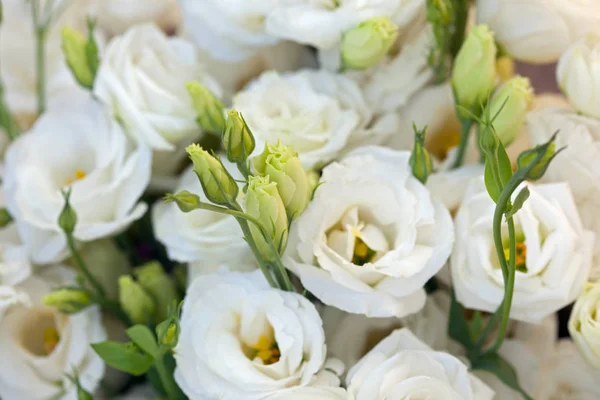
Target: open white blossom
319, 113
81, 148
367, 243
116, 16
240, 339
584, 325
39, 345
553, 260
401, 366
14, 259
142, 79
313, 393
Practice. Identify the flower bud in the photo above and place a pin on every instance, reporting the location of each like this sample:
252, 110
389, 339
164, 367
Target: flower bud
135, 301
264, 203
218, 185
67, 218
168, 330
282, 165
5, 217
366, 44
158, 284
68, 300
237, 138
509, 106
420, 160
185, 200
74, 47
583, 324
534, 163
474, 74
209, 108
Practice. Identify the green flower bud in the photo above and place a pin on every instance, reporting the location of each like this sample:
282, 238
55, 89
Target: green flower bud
237, 138
74, 47
282, 165
510, 104
5, 217
474, 74
264, 203
159, 285
218, 185
209, 108
366, 44
135, 301
185, 200
67, 218
168, 330
420, 160
534, 163
68, 300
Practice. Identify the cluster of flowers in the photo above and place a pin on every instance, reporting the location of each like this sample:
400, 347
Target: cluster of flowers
336, 235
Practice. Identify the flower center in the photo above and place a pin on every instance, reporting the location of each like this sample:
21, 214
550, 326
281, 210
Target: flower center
39, 333
521, 253
79, 174
265, 349
446, 138
51, 339
362, 253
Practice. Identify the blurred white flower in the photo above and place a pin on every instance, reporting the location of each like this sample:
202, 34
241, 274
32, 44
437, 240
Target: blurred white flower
584, 324
554, 252
81, 148
240, 339
313, 393
116, 16
367, 243
14, 259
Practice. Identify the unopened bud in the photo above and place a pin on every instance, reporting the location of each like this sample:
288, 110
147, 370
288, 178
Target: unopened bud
68, 300
420, 160
185, 200
509, 107
209, 109
67, 218
365, 45
534, 163
237, 138
74, 47
158, 284
218, 185
135, 301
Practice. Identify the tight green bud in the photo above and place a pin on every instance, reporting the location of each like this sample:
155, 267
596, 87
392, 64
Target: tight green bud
74, 48
237, 138
67, 218
68, 300
534, 163
474, 74
135, 301
185, 200
264, 203
158, 284
218, 185
210, 110
365, 45
420, 160
511, 103
282, 165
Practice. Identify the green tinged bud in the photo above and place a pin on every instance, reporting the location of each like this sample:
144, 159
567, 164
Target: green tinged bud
264, 203
157, 284
534, 163
210, 110
218, 185
238, 140
366, 44
282, 165
5, 217
68, 300
74, 46
67, 218
185, 200
168, 331
135, 301
420, 160
474, 74
510, 104
489, 142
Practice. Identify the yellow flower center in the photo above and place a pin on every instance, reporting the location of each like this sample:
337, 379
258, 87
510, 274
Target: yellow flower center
265, 349
362, 253
445, 139
521, 256
79, 174
51, 339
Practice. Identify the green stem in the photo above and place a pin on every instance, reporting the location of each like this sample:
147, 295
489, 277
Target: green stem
263, 266
40, 67
244, 170
82, 267
465, 128
166, 378
488, 329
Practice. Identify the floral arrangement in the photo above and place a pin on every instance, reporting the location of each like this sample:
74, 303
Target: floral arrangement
298, 199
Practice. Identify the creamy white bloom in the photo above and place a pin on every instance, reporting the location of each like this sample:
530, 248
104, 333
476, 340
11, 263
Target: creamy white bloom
578, 74
116, 16
313, 393
538, 31
229, 30
584, 325
240, 339
553, 260
319, 113
401, 366
39, 345
81, 148
142, 78
14, 259
371, 237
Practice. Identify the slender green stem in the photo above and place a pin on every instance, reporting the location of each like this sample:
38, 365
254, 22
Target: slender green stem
244, 170
465, 128
82, 267
166, 378
40, 67
263, 266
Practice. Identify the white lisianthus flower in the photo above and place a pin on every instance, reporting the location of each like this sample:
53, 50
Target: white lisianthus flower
578, 74
142, 79
82, 148
554, 252
229, 30
15, 266
367, 243
313, 393
318, 113
116, 16
584, 326
557, 25
240, 339
401, 366
39, 345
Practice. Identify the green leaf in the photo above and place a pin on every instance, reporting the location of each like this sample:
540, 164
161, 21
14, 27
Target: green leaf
458, 327
143, 337
505, 172
502, 369
126, 357
490, 183
518, 203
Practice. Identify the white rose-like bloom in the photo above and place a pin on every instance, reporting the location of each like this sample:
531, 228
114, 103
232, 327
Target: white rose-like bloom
313, 393
142, 78
85, 149
371, 237
554, 252
116, 16
578, 74
584, 325
229, 30
39, 345
403, 367
538, 31
319, 113
240, 339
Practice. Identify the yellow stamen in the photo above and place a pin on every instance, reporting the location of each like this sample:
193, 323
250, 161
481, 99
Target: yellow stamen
265, 350
79, 174
51, 339
505, 66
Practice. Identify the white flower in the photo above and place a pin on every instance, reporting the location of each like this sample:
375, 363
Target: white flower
204, 238
82, 148
584, 326
554, 252
229, 30
403, 367
578, 74
538, 31
320, 114
14, 259
241, 339
371, 237
142, 79
116, 16
313, 393
39, 346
